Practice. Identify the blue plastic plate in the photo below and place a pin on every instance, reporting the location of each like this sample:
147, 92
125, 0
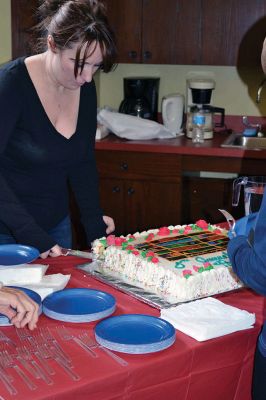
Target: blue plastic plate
17, 254
4, 321
135, 333
78, 302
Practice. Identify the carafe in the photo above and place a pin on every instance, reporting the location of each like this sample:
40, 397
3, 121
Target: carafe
253, 192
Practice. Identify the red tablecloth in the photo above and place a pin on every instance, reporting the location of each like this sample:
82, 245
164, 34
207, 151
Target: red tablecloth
189, 370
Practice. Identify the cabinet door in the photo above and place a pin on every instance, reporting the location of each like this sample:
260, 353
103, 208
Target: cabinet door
151, 204
171, 31
232, 32
125, 18
202, 197
112, 202
22, 13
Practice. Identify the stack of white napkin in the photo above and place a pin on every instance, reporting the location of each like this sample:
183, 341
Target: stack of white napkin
32, 276
208, 318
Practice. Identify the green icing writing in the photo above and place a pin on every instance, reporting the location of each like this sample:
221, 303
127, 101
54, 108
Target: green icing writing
221, 259
181, 264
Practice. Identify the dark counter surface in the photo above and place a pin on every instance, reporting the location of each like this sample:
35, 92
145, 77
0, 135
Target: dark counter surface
181, 145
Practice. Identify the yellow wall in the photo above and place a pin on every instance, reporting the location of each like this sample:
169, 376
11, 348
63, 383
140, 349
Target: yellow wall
5, 31
235, 90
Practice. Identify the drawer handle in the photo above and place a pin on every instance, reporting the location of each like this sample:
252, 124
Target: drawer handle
116, 189
132, 54
147, 55
124, 166
130, 191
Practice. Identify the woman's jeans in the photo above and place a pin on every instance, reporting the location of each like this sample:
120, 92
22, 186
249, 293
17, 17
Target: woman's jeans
61, 234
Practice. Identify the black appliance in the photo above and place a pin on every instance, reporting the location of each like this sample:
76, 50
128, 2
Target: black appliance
140, 97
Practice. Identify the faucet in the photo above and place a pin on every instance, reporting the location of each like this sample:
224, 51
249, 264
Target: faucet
259, 90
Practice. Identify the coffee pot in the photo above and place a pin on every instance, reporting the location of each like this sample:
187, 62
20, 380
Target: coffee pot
253, 192
211, 121
199, 98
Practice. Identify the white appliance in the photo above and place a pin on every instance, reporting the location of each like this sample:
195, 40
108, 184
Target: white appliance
199, 99
173, 112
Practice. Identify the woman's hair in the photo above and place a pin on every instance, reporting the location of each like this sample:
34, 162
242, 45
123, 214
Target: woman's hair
76, 21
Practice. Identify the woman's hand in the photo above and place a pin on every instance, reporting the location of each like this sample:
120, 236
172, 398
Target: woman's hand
110, 224
53, 252
18, 307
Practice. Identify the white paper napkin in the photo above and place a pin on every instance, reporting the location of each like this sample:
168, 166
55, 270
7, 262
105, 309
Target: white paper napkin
208, 318
133, 128
49, 284
30, 273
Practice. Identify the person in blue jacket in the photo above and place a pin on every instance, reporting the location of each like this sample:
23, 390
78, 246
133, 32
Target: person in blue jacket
248, 257
247, 254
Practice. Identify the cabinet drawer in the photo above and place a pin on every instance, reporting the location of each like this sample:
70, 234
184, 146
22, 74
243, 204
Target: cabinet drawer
135, 165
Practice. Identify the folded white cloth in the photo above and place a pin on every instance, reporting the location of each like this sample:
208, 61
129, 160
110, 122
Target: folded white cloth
133, 128
49, 284
208, 318
22, 273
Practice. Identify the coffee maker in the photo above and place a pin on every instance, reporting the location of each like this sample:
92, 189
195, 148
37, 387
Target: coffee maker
199, 98
140, 97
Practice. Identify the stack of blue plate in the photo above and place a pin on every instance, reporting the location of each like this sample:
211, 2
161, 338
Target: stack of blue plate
16, 254
135, 333
4, 321
79, 305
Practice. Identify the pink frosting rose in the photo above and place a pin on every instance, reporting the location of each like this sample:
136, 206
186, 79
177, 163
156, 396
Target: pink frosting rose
202, 224
164, 231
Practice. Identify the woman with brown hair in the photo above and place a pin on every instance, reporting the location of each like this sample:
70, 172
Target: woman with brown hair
48, 126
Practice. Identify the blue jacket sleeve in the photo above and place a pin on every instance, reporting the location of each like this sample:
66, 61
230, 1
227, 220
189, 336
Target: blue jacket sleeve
249, 259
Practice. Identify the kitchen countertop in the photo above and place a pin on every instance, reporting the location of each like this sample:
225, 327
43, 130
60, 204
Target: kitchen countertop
181, 145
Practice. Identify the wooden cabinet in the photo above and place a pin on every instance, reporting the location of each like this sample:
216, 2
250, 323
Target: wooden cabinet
232, 32
202, 198
207, 32
22, 19
139, 190
156, 31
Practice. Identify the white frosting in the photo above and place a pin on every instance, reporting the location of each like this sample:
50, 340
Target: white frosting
164, 278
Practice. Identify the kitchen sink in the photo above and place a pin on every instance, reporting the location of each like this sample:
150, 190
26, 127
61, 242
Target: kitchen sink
237, 140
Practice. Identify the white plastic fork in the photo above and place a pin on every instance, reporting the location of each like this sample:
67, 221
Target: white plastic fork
10, 388
66, 335
91, 342
230, 220
8, 362
6, 339
23, 333
47, 335
25, 359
